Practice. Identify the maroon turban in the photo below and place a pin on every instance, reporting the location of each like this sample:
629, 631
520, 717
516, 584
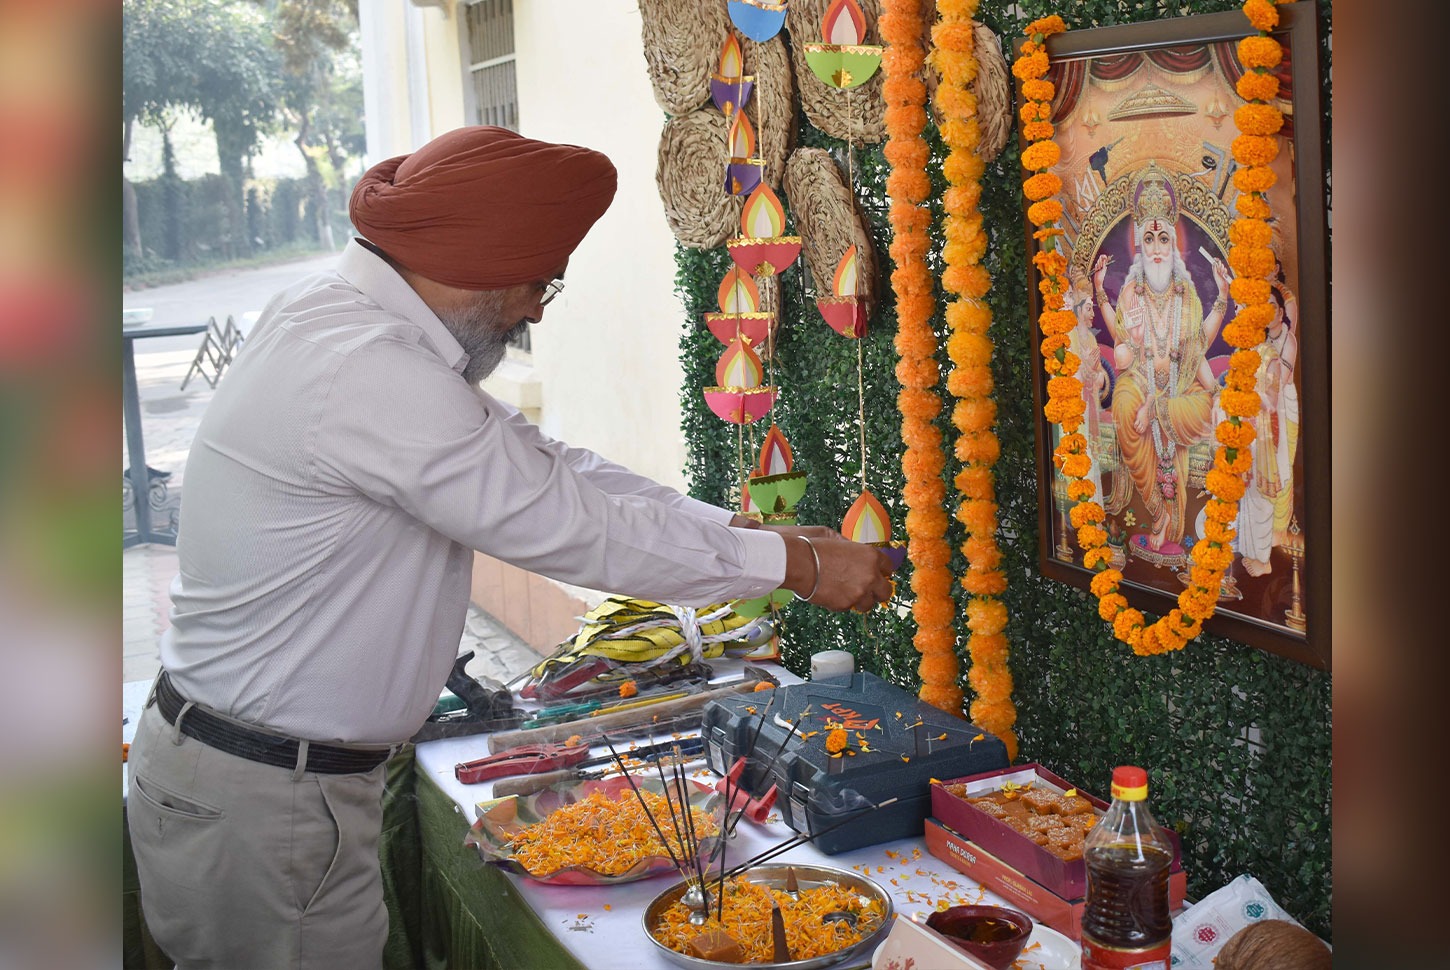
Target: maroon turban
483, 208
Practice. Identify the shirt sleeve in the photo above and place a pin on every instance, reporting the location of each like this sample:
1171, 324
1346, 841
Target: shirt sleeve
607, 476
402, 428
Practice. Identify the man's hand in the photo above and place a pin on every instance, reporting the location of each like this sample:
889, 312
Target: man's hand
840, 575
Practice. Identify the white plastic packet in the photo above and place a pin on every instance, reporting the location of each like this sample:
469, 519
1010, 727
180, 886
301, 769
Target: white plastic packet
1202, 929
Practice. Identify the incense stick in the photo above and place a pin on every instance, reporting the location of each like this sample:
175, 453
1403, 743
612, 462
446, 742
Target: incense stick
798, 840
643, 804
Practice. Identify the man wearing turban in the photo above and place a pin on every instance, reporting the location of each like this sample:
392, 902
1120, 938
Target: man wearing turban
338, 485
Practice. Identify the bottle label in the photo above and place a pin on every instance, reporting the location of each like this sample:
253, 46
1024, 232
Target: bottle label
1096, 956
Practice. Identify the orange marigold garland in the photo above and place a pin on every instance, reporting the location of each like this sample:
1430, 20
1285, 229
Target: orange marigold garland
1256, 146
923, 462
970, 348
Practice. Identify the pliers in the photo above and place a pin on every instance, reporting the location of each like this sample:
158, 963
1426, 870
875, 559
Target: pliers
532, 759
526, 759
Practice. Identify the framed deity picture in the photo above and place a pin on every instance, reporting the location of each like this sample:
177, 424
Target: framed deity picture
1144, 118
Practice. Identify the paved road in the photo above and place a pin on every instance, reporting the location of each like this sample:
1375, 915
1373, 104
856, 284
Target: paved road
230, 292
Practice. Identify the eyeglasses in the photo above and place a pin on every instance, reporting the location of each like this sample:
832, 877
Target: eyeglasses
551, 289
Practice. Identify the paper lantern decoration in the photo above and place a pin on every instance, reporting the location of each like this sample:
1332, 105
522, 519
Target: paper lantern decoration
762, 249
740, 314
759, 20
739, 397
844, 310
843, 61
866, 521
730, 86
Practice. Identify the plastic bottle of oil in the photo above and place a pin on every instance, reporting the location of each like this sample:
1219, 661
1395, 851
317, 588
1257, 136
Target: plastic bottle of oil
1126, 923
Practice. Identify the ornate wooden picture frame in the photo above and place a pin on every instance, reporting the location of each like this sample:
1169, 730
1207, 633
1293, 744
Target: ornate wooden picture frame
1144, 117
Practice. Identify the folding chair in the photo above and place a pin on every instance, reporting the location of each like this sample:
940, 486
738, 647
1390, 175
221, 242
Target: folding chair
211, 357
232, 338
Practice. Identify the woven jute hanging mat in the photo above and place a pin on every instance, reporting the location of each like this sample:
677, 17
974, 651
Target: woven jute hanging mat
690, 175
828, 221
682, 40
857, 114
772, 106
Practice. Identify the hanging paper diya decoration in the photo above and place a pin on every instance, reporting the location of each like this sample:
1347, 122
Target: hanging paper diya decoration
759, 20
844, 309
775, 485
730, 86
866, 521
739, 395
730, 89
740, 314
774, 489
763, 249
844, 61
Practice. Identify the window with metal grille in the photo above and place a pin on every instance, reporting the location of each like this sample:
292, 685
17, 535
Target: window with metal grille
491, 80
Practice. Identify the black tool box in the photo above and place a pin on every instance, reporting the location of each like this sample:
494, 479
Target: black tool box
895, 744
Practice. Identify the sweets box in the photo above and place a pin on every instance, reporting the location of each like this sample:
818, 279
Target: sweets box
1063, 878
897, 745
1034, 899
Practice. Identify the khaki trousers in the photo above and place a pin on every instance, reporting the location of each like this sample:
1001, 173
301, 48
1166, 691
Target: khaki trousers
246, 866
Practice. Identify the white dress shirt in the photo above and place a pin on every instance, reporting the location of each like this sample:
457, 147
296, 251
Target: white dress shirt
340, 480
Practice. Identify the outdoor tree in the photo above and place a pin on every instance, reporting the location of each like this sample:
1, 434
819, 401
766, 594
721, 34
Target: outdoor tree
215, 58
321, 91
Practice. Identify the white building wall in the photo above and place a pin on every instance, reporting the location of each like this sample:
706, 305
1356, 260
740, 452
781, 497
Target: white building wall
607, 353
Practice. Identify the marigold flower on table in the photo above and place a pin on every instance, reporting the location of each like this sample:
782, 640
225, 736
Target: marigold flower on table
1260, 52
836, 741
1257, 86
628, 689
1255, 177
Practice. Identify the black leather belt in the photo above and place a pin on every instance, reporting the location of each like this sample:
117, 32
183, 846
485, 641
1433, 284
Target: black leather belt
269, 749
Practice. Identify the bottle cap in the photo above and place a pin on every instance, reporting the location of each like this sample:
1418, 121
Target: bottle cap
1130, 783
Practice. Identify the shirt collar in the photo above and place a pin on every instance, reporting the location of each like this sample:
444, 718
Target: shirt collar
371, 274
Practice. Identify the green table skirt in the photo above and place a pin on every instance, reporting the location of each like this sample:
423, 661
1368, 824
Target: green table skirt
446, 907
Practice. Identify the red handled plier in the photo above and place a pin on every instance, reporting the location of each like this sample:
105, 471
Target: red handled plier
527, 759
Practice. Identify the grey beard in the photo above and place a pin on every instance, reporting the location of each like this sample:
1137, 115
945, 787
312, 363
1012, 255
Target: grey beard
477, 330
